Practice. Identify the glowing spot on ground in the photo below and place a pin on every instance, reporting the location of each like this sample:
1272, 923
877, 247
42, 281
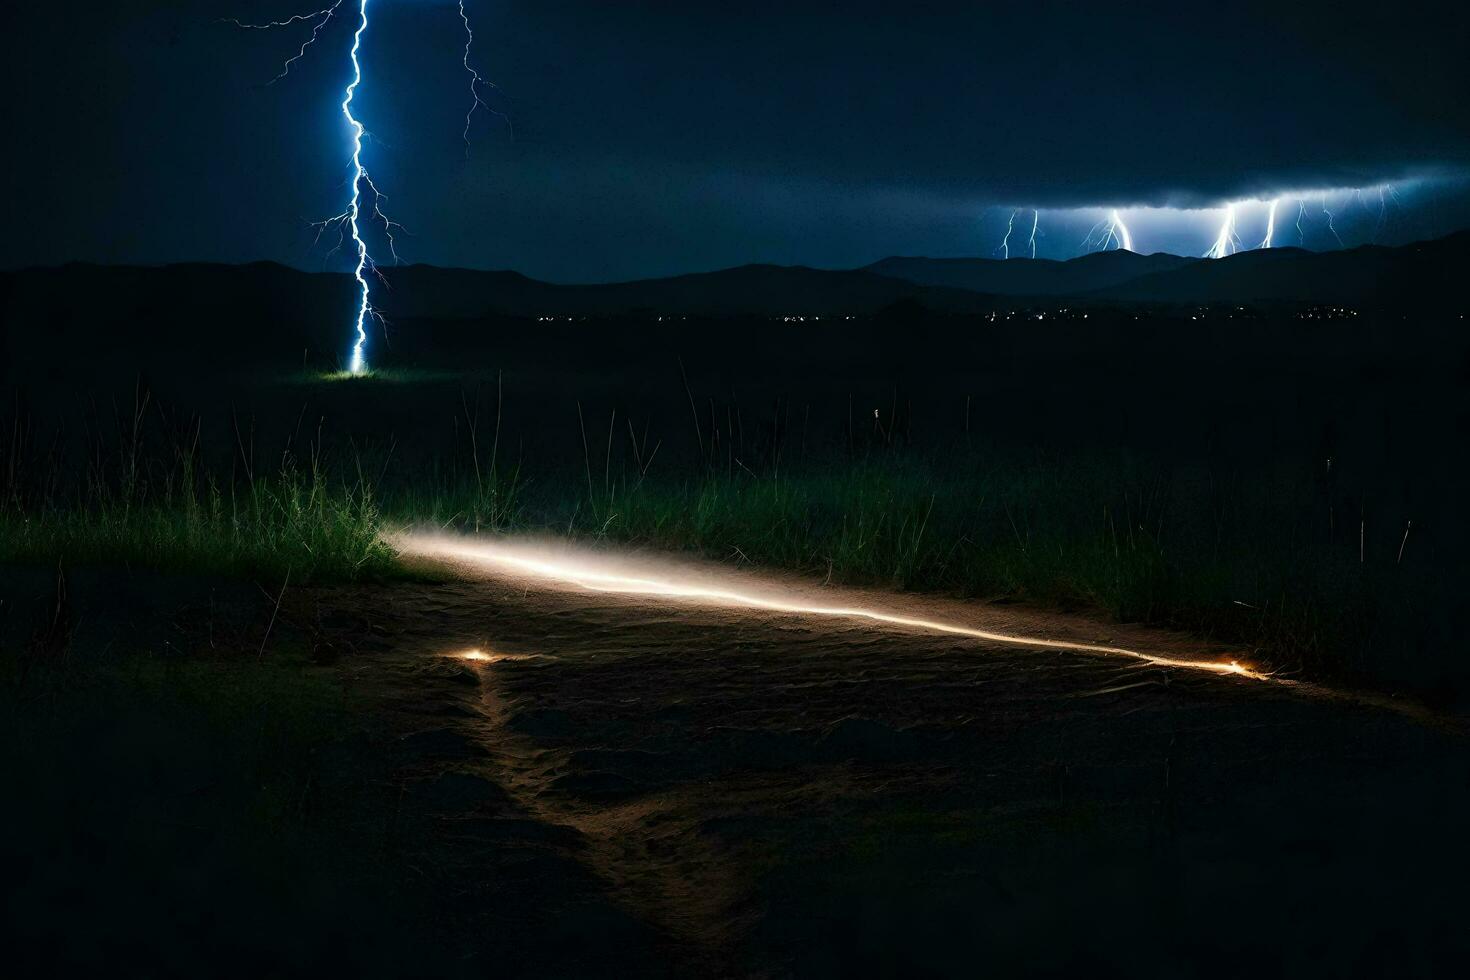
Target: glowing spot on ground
600, 573
483, 656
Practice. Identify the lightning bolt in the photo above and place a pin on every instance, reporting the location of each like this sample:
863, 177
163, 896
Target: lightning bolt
475, 82
1227, 241
475, 100
1119, 232
1330, 226
1005, 242
1270, 223
1035, 220
318, 20
349, 222
357, 364
1301, 215
365, 202
1385, 191
1109, 232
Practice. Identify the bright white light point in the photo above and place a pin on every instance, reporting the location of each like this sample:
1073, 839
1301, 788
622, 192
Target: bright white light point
599, 573
481, 656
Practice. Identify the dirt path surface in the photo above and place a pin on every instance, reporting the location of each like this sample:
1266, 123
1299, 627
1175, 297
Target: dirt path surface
611, 784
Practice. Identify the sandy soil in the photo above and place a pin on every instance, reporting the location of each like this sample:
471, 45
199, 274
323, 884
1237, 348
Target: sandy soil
660, 786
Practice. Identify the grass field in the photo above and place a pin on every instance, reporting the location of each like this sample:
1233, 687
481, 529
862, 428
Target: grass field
1278, 564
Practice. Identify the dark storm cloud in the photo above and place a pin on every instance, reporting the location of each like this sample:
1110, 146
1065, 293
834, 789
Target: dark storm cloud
1049, 104
656, 137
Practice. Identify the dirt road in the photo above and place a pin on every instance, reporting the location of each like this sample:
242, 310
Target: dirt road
653, 784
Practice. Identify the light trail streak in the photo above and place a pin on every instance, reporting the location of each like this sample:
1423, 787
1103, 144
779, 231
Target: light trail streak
585, 574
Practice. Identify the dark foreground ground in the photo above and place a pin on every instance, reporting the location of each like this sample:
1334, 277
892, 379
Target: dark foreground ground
274, 775
629, 787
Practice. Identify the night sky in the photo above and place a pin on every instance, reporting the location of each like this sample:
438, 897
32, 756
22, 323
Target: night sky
652, 138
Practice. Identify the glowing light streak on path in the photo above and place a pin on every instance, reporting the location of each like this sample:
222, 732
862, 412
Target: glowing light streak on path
583, 575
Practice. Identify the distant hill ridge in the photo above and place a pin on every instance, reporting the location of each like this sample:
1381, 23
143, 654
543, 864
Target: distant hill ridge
1423, 274
1031, 277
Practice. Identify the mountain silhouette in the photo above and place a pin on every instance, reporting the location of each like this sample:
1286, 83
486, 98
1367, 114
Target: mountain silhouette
769, 290
1031, 277
1416, 275
260, 310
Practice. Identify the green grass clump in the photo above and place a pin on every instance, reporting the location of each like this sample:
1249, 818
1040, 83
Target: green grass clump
1250, 562
297, 521
1262, 560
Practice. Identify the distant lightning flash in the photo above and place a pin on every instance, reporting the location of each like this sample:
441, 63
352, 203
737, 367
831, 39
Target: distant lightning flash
475, 100
1386, 193
1227, 241
1270, 223
476, 80
1111, 232
1233, 224
1330, 226
1005, 242
1119, 231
